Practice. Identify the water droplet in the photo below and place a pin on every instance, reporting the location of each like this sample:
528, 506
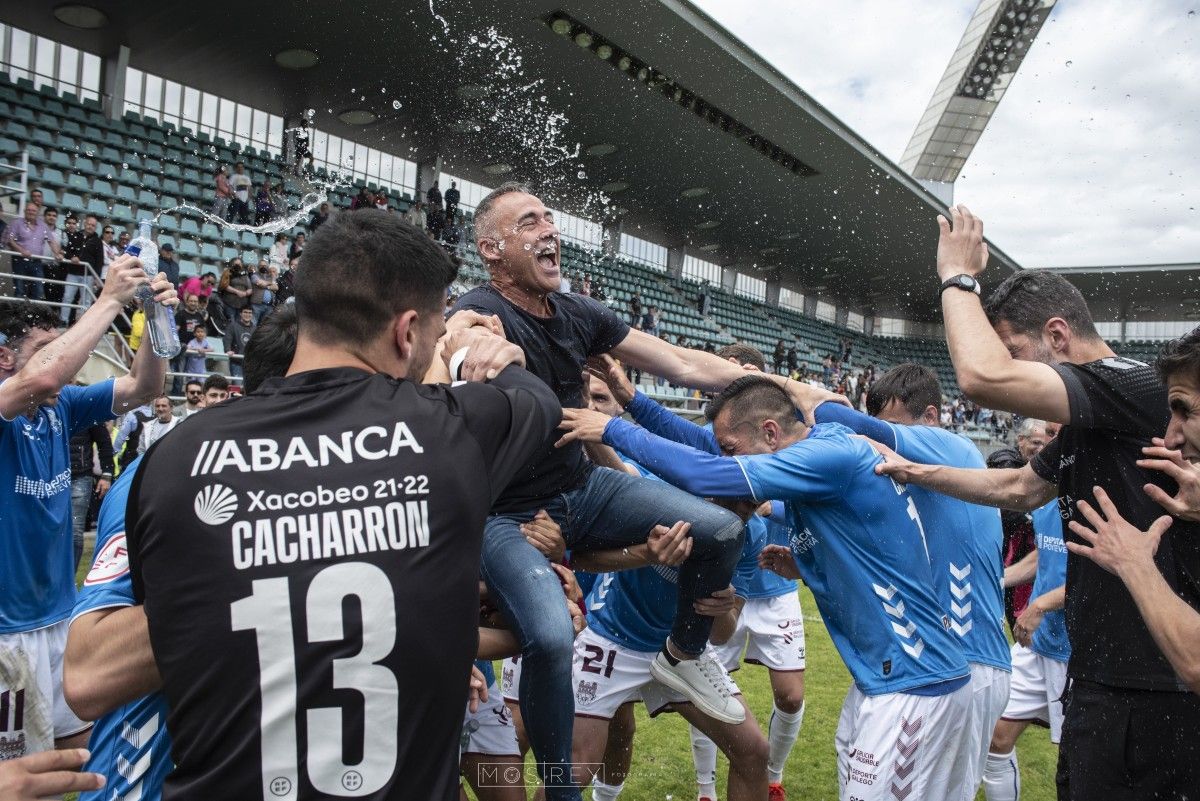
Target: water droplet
581, 174
396, 104
528, 246
1069, 63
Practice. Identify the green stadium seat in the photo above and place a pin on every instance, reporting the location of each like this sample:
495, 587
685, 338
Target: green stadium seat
167, 223
129, 177
134, 161
24, 115
187, 268
124, 193
114, 139
155, 150
52, 176
98, 207
151, 181
187, 247
188, 226
73, 202
9, 146
49, 196
122, 213
103, 188
79, 182
209, 252
229, 252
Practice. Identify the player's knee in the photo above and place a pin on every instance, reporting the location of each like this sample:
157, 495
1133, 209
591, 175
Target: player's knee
717, 531
551, 644
748, 752
790, 699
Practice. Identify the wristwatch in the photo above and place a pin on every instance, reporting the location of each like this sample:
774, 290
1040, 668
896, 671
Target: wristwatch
963, 282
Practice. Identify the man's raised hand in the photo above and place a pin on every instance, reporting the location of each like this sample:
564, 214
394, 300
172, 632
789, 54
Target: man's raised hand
608, 370
961, 248
1186, 502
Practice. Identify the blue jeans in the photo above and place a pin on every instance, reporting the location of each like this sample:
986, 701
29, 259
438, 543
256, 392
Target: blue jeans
609, 510
81, 498
34, 290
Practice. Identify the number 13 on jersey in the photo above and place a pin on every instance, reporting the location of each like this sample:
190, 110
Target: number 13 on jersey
267, 611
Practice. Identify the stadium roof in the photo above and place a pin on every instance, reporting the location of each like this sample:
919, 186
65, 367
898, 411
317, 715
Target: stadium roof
792, 191
1146, 293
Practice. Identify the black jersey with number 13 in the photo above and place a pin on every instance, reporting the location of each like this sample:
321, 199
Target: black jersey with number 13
308, 557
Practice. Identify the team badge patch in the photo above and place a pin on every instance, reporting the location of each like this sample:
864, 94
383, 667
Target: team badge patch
111, 563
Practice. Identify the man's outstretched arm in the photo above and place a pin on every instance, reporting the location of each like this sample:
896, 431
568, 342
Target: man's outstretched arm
1015, 488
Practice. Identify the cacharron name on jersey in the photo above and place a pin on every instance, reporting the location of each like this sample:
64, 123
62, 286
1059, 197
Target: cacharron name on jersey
264, 454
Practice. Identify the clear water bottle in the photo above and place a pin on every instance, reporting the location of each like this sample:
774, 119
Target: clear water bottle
160, 319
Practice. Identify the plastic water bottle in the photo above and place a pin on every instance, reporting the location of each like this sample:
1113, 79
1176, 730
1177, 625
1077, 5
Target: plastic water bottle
160, 319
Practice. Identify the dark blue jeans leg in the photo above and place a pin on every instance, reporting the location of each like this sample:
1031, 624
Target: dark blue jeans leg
528, 592
614, 509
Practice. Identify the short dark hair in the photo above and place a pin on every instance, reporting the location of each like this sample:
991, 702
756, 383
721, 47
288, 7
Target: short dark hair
49, 210
193, 382
744, 354
18, 318
752, 396
216, 381
1027, 299
271, 347
1180, 356
361, 270
915, 386
484, 210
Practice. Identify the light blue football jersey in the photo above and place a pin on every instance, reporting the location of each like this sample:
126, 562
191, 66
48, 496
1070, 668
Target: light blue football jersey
1050, 638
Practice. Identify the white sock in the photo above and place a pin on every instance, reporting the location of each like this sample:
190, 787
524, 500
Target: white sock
606, 792
782, 734
1001, 778
704, 756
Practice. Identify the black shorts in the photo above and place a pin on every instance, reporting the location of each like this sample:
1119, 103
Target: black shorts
1129, 745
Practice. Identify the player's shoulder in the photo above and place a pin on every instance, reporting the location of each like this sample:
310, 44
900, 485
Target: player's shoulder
482, 297
954, 448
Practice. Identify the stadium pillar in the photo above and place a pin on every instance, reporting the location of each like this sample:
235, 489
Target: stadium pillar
675, 257
610, 240
773, 287
841, 316
428, 174
869, 323
810, 305
728, 278
114, 70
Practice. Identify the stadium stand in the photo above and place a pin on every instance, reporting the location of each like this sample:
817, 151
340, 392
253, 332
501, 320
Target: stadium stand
126, 169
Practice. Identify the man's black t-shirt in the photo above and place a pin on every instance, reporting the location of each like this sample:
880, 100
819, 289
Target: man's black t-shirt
1117, 405
308, 557
556, 349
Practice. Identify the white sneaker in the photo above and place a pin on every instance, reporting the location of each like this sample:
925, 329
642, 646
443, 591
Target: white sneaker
704, 682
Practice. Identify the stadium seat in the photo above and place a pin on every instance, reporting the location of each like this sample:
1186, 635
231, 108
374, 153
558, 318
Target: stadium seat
122, 213
73, 202
98, 207
124, 193
209, 252
188, 226
79, 182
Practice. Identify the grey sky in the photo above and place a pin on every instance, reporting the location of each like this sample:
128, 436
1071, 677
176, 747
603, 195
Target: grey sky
1094, 154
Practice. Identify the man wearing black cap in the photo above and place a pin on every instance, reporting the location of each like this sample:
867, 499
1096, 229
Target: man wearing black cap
168, 265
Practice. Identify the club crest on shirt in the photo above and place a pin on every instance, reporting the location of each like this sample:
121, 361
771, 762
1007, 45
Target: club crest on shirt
111, 563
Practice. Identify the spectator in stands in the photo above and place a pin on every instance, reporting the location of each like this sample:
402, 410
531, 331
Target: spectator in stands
452, 199
87, 448
297, 247
650, 321
793, 360
239, 207
451, 234
361, 201
168, 264
435, 220
54, 268
780, 357
122, 241
287, 286
239, 333
318, 216
381, 201
585, 286
71, 241
187, 318
109, 249
37, 198
564, 283
415, 214
199, 285
223, 196
704, 302
235, 288
216, 389
635, 309
197, 351
263, 289
264, 204
28, 236
158, 427
434, 197
193, 399
279, 252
